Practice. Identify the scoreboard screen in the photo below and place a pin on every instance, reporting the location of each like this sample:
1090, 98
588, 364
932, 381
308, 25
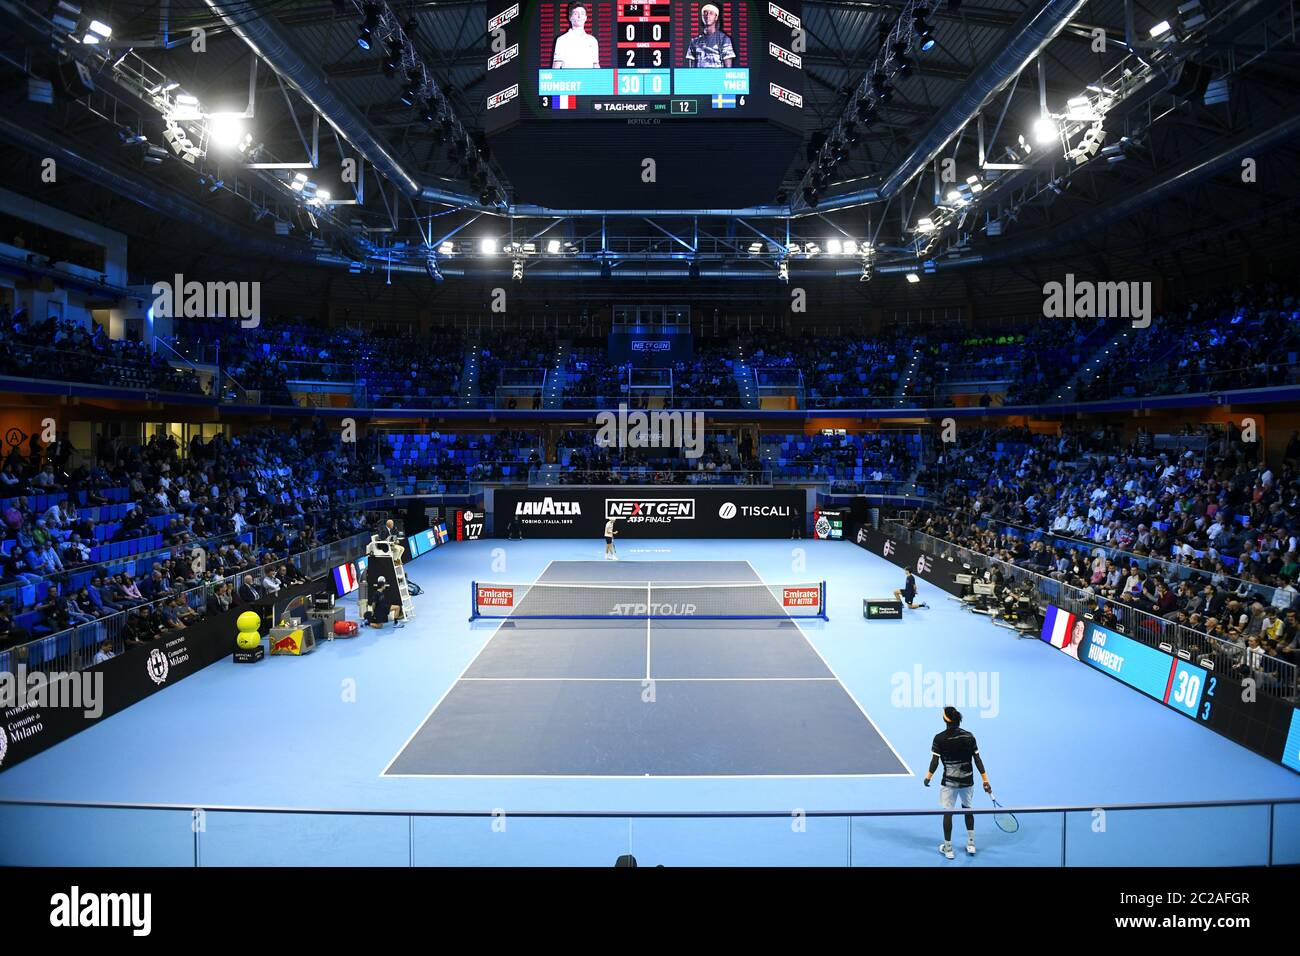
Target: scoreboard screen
668, 59
1229, 704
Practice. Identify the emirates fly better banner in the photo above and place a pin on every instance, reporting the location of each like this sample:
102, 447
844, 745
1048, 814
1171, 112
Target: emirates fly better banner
653, 512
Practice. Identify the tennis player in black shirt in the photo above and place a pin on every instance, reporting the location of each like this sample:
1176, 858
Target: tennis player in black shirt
958, 750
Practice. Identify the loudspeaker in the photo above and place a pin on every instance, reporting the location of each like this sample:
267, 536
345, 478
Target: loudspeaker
75, 79
1190, 79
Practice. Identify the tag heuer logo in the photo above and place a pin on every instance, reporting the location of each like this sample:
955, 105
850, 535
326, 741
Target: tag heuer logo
157, 666
469, 516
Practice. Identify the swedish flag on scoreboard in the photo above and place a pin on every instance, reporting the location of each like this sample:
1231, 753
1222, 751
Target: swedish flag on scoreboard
724, 101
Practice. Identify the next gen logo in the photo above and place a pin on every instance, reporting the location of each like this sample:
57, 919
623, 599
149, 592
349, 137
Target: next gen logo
650, 510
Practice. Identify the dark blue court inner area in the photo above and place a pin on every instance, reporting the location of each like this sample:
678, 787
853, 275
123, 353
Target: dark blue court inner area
648, 698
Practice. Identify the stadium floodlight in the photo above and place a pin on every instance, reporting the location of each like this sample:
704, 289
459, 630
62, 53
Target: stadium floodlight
850, 247
1160, 29
299, 181
447, 248
924, 224
913, 278
322, 196
1191, 15
98, 31
226, 130
553, 247
834, 246
65, 16
755, 248
1045, 130
488, 247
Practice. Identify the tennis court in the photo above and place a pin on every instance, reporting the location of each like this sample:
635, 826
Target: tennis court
611, 669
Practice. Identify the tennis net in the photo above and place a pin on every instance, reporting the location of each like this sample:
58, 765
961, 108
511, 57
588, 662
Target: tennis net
675, 601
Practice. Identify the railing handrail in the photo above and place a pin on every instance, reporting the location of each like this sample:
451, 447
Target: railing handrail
1083, 598
648, 814
186, 594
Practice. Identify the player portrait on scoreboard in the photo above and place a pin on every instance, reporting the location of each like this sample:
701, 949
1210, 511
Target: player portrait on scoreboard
575, 48
1076, 638
711, 47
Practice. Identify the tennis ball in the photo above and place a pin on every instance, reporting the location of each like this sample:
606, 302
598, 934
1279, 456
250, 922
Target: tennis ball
248, 639
249, 621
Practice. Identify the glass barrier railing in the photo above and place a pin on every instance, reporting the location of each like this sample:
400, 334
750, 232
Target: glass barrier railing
1220, 834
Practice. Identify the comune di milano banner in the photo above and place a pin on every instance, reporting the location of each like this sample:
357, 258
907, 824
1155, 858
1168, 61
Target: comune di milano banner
653, 512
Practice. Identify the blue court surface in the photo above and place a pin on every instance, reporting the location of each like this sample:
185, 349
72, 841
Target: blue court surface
569, 697
502, 721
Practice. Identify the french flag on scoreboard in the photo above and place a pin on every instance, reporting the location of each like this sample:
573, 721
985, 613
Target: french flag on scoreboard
724, 101
564, 102
345, 579
1058, 626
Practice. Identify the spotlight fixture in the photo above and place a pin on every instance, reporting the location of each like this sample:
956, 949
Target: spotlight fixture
553, 246
924, 32
1160, 29
394, 58
410, 90
913, 278
488, 247
365, 34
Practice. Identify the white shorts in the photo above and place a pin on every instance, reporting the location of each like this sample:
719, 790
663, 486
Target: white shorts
948, 797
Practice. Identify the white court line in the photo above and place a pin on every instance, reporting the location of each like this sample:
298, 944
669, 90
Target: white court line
657, 680
795, 621
420, 725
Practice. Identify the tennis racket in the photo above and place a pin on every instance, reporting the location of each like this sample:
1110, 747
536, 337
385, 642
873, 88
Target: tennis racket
1005, 820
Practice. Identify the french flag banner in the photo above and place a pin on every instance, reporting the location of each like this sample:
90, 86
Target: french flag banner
1057, 626
564, 102
345, 579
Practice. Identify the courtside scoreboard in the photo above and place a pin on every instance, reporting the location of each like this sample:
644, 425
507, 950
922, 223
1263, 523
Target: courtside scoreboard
645, 60
1233, 704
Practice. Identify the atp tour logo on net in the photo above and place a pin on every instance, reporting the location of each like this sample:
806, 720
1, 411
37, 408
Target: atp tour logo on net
652, 609
650, 511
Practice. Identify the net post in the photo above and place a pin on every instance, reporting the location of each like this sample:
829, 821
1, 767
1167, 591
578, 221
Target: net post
823, 615
473, 601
